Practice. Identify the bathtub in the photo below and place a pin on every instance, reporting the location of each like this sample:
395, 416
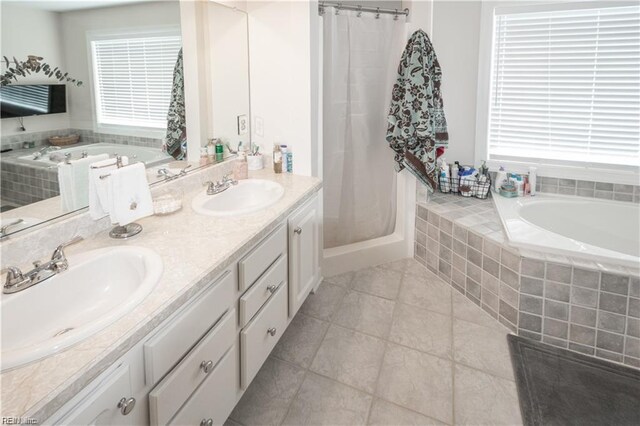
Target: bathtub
149, 156
585, 228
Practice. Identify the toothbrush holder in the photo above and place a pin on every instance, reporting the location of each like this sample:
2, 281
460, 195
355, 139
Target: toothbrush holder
255, 162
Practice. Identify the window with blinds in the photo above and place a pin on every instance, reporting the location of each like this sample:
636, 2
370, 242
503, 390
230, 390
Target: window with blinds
566, 85
133, 78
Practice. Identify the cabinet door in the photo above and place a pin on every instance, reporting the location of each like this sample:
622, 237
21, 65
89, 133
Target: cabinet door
103, 406
304, 254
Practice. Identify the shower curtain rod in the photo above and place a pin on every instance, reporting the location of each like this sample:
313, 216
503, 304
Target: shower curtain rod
377, 10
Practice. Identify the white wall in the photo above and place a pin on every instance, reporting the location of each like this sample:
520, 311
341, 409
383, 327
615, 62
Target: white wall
27, 31
281, 88
76, 24
456, 33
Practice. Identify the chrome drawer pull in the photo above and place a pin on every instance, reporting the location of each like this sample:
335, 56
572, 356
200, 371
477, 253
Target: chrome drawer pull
272, 331
272, 288
206, 366
126, 405
206, 422
298, 230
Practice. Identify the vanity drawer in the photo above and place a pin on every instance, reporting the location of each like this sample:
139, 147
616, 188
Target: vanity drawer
167, 398
171, 342
259, 293
263, 255
216, 397
261, 335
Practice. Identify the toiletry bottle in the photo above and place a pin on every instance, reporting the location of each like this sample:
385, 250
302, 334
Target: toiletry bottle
520, 185
532, 180
445, 175
455, 178
240, 166
277, 158
219, 151
289, 161
501, 178
211, 148
285, 155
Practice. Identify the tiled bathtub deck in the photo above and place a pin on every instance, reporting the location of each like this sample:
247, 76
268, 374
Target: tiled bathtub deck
388, 345
581, 306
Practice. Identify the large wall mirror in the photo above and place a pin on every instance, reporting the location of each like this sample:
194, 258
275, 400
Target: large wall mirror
128, 56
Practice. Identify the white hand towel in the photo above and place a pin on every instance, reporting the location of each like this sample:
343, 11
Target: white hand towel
99, 189
73, 179
130, 194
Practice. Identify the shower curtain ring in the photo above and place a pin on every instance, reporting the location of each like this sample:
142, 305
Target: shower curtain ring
377, 13
359, 11
395, 16
338, 7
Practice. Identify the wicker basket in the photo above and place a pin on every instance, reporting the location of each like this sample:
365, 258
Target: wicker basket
64, 140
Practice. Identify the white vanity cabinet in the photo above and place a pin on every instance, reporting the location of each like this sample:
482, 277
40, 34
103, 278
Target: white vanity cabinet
194, 367
304, 253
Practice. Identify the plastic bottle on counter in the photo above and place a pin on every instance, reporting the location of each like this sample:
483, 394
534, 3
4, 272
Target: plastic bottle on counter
277, 158
455, 176
532, 180
445, 175
501, 178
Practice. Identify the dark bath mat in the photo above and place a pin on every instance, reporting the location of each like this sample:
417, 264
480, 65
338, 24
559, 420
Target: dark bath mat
560, 387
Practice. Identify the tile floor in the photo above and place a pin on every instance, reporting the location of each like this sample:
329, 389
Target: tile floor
389, 345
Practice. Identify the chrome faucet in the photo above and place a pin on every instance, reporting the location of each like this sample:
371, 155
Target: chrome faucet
17, 281
5, 228
168, 175
214, 188
38, 154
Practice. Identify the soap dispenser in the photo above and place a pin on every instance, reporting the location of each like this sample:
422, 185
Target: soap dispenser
241, 167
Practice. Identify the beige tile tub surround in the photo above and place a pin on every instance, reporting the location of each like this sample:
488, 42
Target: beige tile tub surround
440, 362
569, 303
194, 250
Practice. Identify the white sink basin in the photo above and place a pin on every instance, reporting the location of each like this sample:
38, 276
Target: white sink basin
99, 287
248, 196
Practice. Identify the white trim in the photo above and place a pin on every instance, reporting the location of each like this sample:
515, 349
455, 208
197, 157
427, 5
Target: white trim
592, 172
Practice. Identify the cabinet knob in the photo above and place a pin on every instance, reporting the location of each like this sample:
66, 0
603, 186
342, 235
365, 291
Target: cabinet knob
272, 288
272, 331
206, 422
126, 405
298, 230
206, 366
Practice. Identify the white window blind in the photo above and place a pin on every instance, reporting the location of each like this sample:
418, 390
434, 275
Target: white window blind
566, 85
133, 79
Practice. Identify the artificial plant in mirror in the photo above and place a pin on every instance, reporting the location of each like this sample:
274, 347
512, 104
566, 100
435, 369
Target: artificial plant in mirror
81, 82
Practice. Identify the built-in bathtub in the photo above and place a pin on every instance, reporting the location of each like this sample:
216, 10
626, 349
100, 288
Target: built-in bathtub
26, 180
149, 156
588, 228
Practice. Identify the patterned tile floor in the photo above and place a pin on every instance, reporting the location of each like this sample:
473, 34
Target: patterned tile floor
389, 345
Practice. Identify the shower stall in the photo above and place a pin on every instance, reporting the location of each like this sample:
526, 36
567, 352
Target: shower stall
364, 198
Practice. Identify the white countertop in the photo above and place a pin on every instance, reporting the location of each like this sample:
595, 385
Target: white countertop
194, 249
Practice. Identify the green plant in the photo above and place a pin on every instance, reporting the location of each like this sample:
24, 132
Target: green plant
33, 65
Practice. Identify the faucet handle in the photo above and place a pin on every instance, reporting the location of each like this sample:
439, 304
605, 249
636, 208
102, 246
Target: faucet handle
211, 187
58, 253
14, 278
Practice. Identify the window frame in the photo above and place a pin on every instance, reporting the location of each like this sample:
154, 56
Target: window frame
115, 129
552, 168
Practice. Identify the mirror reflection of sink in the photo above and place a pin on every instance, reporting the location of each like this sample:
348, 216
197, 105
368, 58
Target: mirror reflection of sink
99, 287
248, 196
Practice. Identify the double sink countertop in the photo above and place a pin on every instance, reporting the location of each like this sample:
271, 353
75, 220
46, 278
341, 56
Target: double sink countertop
194, 250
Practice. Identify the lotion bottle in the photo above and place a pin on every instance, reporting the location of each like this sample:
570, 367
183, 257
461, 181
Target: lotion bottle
501, 178
532, 180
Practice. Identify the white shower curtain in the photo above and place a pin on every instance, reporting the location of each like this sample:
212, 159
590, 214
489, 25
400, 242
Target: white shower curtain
360, 59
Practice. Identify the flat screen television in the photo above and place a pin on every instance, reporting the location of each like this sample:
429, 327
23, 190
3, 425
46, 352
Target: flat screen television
24, 100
